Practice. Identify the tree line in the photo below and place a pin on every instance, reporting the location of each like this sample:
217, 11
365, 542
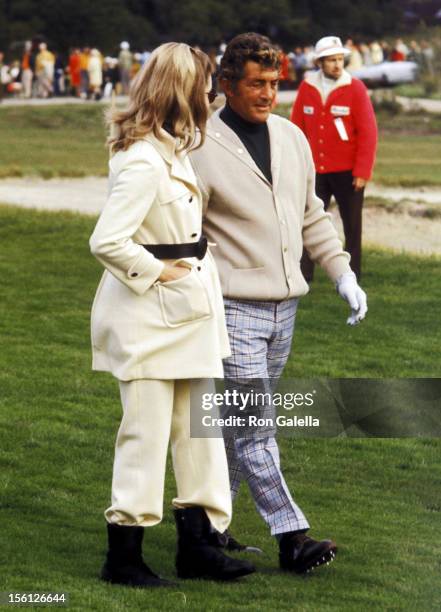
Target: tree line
147, 23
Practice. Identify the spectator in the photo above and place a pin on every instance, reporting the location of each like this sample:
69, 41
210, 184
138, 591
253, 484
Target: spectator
355, 60
415, 54
26, 71
125, 60
402, 48
397, 55
95, 74
75, 71
145, 56
284, 71
309, 58
14, 85
366, 56
298, 59
427, 57
84, 72
376, 52
136, 65
386, 51
334, 111
110, 76
44, 70
59, 76
2, 73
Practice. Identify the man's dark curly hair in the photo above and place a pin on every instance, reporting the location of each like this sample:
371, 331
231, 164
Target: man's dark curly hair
247, 47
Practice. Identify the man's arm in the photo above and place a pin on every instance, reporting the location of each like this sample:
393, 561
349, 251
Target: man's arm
297, 109
366, 130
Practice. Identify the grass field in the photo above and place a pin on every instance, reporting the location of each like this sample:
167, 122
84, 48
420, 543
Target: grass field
380, 499
409, 149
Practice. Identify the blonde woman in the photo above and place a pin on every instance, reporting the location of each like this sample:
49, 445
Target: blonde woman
158, 323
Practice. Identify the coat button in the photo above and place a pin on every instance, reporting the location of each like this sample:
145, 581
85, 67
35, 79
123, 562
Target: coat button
199, 268
193, 235
240, 151
190, 199
217, 135
134, 274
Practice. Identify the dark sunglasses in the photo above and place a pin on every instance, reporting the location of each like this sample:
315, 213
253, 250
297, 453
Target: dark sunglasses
212, 95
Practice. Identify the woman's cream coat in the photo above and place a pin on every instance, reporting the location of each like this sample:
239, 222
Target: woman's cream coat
142, 328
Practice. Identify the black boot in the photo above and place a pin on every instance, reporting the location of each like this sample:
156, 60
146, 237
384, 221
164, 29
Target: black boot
300, 554
227, 542
124, 563
196, 558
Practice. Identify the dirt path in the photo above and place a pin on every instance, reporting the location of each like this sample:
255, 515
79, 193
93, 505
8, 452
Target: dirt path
401, 232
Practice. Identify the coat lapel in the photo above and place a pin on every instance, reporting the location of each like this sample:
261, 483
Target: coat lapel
225, 137
178, 162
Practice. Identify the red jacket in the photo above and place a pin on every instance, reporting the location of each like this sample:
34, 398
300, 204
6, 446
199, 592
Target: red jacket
353, 148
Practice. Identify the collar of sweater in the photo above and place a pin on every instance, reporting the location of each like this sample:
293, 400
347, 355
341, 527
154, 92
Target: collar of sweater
315, 79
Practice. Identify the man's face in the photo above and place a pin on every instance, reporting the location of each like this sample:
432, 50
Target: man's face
333, 65
253, 96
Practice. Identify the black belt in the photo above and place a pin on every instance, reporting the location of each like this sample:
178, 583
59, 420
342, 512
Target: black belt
177, 251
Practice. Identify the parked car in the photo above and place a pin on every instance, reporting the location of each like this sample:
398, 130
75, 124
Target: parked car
387, 74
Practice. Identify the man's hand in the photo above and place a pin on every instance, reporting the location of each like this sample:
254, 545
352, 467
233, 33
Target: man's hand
348, 288
359, 183
173, 271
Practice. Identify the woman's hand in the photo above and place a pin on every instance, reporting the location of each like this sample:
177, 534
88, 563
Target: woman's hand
173, 271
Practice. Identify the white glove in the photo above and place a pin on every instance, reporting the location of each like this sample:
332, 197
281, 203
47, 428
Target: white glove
348, 288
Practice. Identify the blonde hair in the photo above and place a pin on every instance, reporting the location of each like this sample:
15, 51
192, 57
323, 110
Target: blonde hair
170, 88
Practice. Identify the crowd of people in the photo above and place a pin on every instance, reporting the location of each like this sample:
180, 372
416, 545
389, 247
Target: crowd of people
301, 59
88, 74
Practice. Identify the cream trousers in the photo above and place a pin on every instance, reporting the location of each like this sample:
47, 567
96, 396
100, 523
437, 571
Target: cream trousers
154, 412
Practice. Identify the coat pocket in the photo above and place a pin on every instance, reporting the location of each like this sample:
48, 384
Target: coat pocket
184, 300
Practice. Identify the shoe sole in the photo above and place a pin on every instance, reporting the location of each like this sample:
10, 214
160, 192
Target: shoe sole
324, 557
328, 557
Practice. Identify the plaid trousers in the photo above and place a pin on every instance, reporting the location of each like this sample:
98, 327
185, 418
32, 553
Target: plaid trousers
260, 335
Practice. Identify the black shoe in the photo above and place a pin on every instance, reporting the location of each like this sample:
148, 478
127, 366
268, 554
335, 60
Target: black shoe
196, 556
124, 563
301, 554
227, 542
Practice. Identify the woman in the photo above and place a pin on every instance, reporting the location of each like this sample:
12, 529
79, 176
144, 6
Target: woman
158, 324
95, 69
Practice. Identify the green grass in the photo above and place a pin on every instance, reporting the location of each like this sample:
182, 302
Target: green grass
416, 90
53, 141
69, 141
378, 498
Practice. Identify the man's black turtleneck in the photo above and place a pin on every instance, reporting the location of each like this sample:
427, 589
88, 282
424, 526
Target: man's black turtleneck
255, 137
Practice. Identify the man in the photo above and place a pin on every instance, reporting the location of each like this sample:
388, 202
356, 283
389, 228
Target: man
2, 67
256, 176
125, 61
334, 111
44, 71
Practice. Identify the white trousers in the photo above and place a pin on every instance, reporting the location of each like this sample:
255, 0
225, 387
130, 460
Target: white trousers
154, 412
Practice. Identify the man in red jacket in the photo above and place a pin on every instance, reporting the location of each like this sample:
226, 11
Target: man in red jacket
335, 112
